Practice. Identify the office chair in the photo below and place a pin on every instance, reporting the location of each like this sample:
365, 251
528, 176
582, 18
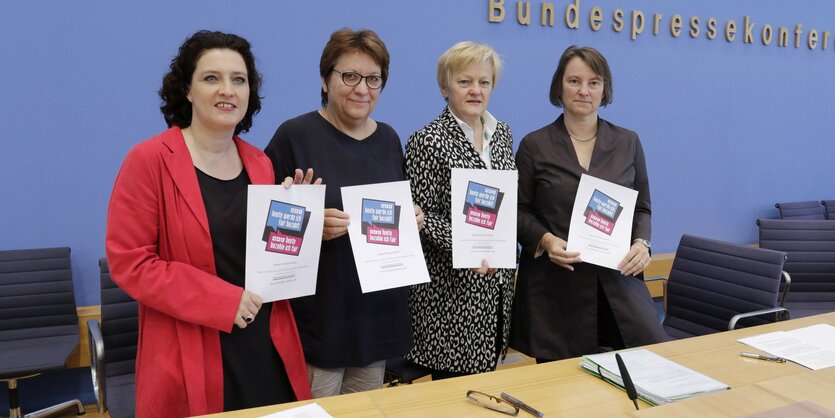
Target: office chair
811, 209
400, 371
810, 248
38, 319
714, 284
829, 206
113, 349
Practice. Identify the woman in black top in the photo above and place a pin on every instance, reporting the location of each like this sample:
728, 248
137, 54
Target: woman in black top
176, 228
346, 335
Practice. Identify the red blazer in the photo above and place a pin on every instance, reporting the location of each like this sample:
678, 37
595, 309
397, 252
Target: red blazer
160, 251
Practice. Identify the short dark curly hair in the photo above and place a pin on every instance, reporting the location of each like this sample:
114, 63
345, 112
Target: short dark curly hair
176, 83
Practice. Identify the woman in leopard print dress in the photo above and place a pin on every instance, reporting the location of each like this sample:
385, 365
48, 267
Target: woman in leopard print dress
461, 318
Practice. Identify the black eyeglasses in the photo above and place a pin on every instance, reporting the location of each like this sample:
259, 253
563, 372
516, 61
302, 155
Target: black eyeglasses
492, 402
351, 79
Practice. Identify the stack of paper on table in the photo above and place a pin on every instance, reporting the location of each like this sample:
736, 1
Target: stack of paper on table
657, 379
812, 347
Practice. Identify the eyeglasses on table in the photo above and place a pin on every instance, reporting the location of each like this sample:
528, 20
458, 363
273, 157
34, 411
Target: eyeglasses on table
492, 402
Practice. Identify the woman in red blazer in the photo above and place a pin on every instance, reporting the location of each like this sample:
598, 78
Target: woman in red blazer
176, 243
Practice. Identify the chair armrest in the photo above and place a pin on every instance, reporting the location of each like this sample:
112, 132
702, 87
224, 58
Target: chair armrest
784, 315
96, 343
664, 282
786, 284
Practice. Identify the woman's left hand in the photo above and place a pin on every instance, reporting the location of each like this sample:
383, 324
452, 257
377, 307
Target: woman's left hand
636, 260
300, 177
421, 222
248, 307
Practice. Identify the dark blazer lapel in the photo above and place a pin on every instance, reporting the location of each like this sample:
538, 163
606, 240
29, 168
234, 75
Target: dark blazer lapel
601, 144
460, 140
562, 143
179, 164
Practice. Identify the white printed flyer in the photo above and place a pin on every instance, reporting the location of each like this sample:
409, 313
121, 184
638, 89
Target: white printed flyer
601, 221
283, 240
484, 217
384, 235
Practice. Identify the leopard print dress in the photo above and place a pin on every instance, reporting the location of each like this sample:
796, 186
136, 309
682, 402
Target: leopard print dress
455, 317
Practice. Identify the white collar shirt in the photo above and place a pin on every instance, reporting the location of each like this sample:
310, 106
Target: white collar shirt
490, 124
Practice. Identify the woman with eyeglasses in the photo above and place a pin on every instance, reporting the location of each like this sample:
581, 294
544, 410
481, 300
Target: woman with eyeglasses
346, 335
461, 319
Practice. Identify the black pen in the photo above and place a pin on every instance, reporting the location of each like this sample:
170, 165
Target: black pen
762, 357
523, 406
628, 385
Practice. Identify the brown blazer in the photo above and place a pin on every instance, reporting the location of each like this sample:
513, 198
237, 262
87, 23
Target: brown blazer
555, 310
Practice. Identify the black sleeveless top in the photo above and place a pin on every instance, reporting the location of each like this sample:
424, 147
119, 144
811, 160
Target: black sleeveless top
253, 372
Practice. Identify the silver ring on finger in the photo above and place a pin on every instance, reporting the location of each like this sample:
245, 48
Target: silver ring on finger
249, 318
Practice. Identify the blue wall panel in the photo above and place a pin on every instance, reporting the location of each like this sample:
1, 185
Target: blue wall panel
729, 128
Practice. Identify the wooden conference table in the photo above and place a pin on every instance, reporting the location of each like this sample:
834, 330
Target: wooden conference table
561, 389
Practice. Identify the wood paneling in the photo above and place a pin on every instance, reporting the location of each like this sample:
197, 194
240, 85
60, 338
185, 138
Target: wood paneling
81, 356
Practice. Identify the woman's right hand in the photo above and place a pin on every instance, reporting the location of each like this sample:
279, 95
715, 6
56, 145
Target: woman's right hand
300, 177
484, 269
247, 309
555, 247
336, 224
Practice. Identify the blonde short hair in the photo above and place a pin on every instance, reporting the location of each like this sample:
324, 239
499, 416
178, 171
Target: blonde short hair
463, 54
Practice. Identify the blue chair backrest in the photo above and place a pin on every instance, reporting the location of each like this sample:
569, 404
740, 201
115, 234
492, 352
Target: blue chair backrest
119, 325
711, 281
36, 294
810, 247
811, 209
829, 206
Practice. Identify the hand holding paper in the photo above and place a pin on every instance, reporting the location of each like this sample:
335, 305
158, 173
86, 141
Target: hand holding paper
300, 178
248, 308
421, 221
336, 224
635, 261
484, 269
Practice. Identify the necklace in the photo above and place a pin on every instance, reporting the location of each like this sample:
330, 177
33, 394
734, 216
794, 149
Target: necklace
582, 140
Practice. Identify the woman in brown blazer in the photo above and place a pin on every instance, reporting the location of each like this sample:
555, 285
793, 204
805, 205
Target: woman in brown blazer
564, 307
